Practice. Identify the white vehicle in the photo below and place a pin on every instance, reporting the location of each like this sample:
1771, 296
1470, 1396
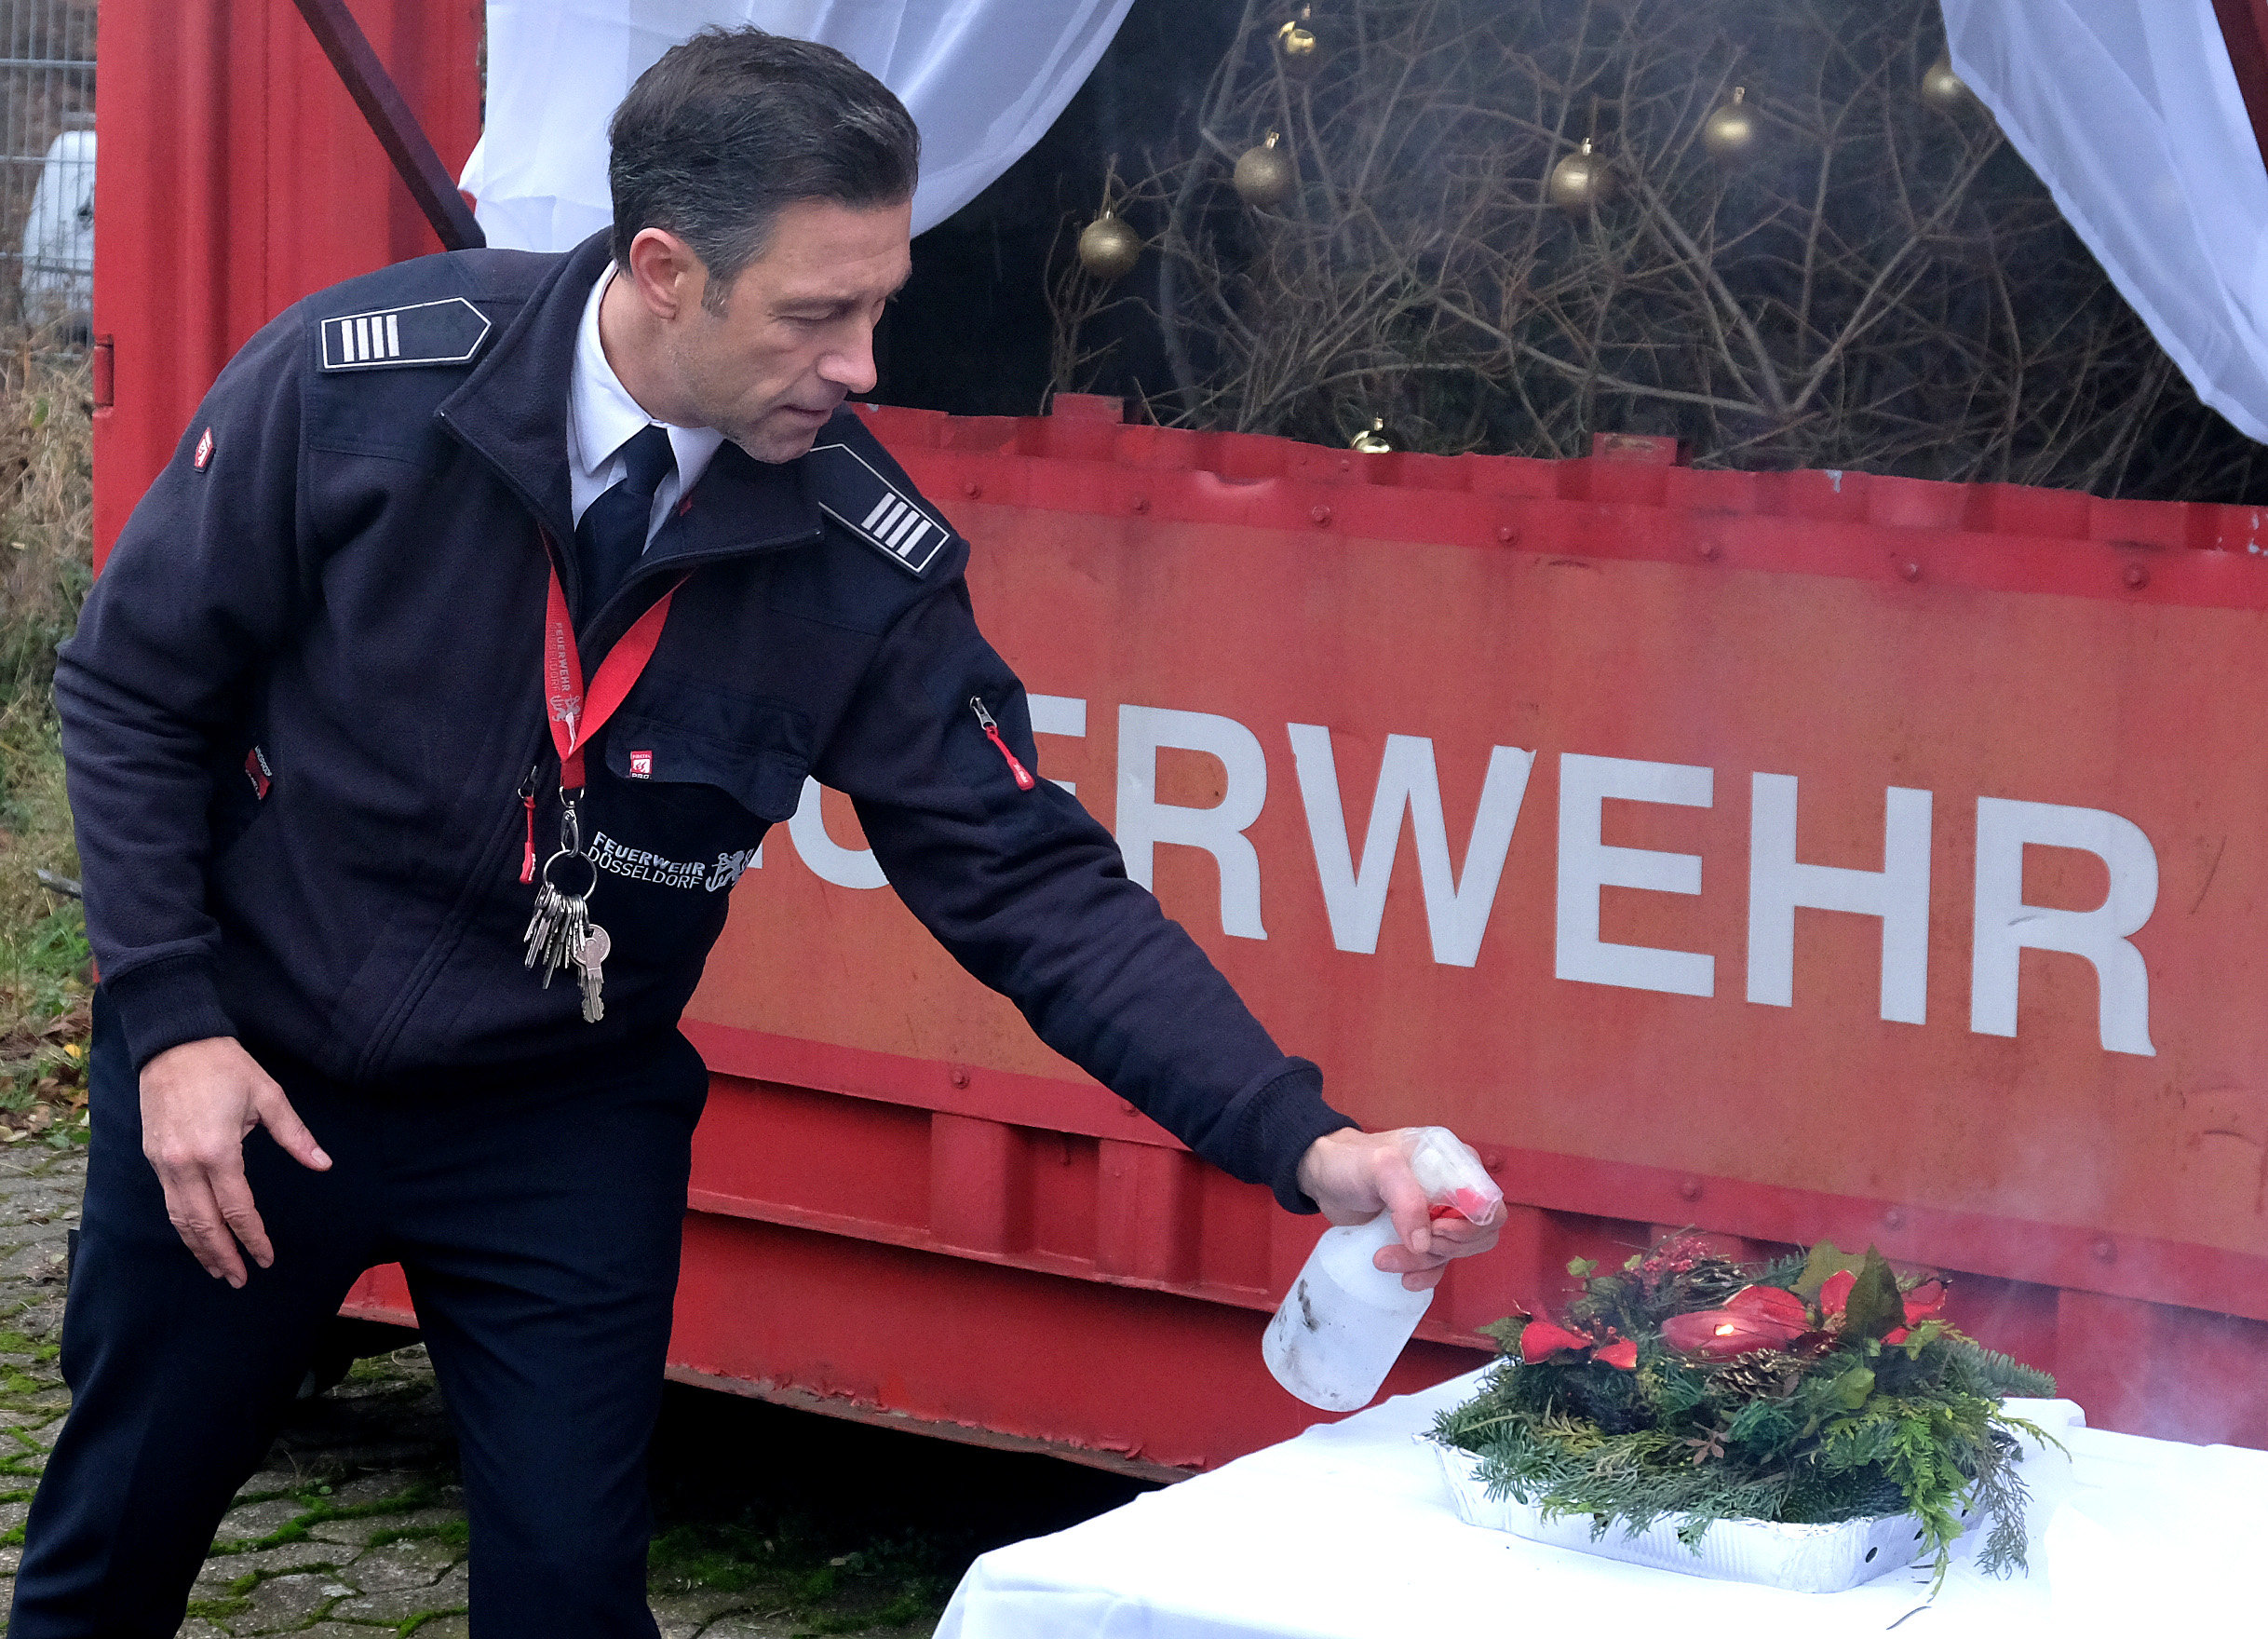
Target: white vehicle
58, 237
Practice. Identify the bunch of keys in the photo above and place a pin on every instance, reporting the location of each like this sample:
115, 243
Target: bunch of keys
561, 932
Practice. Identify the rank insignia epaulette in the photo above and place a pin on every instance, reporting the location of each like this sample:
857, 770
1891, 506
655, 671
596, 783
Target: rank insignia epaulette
849, 491
447, 332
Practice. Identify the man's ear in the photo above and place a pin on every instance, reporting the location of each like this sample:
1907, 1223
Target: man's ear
667, 277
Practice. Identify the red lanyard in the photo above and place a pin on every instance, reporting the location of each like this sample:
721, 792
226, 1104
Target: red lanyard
576, 716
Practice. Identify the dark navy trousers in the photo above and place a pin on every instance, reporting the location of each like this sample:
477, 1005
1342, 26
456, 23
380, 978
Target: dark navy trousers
538, 1220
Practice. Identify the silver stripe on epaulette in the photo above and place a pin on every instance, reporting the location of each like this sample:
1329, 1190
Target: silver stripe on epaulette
452, 330
895, 526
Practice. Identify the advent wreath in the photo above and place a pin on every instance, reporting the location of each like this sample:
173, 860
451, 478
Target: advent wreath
1814, 1390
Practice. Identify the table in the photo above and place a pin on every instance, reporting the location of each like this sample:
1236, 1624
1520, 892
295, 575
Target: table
1347, 1532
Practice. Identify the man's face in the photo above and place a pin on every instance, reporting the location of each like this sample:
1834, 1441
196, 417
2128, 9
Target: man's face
797, 334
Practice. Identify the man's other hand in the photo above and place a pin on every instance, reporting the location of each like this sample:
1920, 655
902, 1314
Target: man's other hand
1353, 1176
198, 1102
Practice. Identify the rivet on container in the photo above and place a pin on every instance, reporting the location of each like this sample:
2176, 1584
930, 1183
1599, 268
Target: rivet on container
1140, 502
959, 1076
1690, 1189
1707, 551
2106, 1251
1507, 533
1893, 1219
1911, 571
2137, 577
1321, 515
972, 489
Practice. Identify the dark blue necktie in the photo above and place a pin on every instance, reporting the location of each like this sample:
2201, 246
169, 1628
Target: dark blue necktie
611, 536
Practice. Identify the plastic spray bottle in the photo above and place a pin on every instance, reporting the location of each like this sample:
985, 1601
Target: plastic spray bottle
1342, 1324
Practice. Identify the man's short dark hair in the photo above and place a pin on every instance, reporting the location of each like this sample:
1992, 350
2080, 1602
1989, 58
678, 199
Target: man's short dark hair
733, 126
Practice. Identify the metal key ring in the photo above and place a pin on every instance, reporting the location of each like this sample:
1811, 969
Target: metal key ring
582, 892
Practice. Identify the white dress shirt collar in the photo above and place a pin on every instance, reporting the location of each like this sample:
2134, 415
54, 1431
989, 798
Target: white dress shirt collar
602, 417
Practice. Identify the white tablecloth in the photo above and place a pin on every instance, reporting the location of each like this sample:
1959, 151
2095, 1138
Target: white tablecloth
1348, 1532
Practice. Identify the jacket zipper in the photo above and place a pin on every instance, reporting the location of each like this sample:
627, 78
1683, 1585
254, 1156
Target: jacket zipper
570, 576
992, 732
386, 1033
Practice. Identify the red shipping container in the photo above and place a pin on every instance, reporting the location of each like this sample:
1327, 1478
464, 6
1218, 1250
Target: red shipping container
1793, 855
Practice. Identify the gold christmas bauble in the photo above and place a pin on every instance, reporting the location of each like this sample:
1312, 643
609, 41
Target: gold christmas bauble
1372, 440
1265, 175
1297, 48
1108, 248
1581, 182
1731, 134
1943, 88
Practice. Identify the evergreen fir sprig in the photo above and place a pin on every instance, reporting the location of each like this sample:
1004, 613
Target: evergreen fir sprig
1810, 1390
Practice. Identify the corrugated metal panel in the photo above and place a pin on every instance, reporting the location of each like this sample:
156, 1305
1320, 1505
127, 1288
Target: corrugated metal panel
244, 178
904, 1208
1859, 633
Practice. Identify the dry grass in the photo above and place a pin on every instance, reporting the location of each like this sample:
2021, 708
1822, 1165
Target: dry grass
46, 546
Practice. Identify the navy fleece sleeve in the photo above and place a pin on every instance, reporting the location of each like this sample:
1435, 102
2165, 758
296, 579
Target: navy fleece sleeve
203, 583
1030, 894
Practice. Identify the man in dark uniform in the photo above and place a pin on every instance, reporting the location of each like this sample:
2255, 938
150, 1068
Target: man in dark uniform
492, 608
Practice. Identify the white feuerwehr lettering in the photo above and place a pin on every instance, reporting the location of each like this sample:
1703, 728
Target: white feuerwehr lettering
1143, 821
1065, 715
829, 860
1588, 865
2007, 925
1898, 893
1458, 902
1354, 896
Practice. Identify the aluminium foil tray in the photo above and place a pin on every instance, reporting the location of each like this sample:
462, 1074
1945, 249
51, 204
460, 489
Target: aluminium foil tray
1804, 1559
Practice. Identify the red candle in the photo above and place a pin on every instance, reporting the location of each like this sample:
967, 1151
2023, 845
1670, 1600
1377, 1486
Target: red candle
1719, 1334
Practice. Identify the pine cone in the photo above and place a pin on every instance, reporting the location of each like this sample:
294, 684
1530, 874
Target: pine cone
1763, 1373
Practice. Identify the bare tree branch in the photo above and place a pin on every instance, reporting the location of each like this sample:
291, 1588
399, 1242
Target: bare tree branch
1878, 285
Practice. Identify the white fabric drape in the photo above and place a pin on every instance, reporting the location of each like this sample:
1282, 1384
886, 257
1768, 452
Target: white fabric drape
2130, 114
982, 78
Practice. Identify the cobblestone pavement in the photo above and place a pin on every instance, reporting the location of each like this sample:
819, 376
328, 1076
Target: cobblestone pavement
356, 1528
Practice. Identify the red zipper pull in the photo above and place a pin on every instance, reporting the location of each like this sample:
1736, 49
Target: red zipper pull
527, 852
992, 732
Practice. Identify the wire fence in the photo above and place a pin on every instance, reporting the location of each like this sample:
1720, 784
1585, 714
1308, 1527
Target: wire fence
47, 165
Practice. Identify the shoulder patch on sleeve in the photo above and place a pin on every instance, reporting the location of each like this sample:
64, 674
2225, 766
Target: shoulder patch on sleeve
893, 522
447, 332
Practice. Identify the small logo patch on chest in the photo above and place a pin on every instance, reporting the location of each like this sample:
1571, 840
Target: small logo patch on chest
642, 764
203, 458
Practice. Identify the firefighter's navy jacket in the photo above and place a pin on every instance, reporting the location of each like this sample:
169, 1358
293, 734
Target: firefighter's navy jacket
304, 699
